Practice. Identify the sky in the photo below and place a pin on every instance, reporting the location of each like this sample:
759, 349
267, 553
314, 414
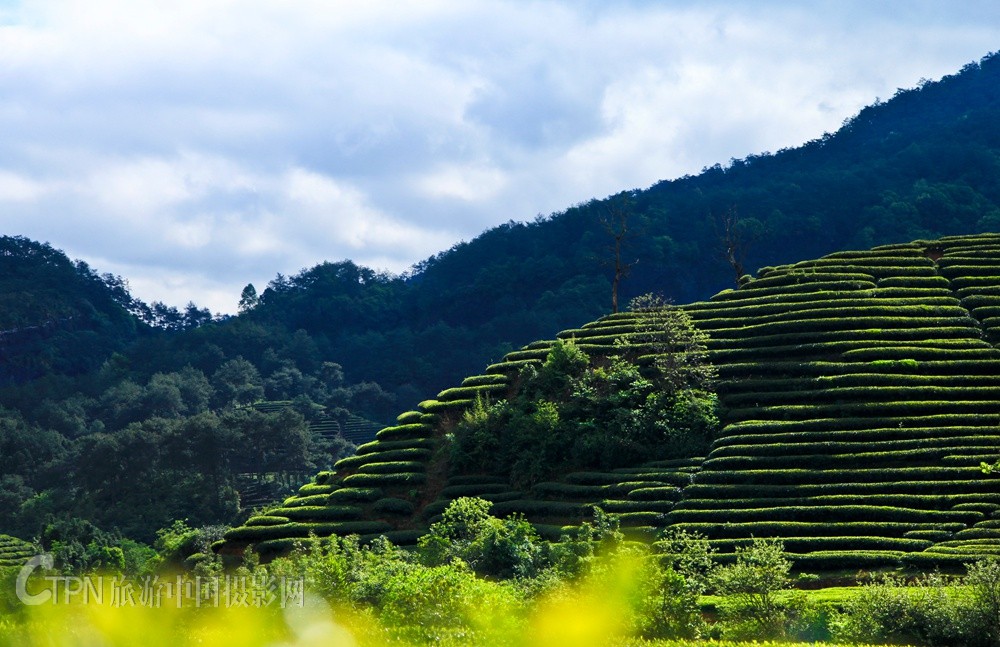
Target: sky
195, 146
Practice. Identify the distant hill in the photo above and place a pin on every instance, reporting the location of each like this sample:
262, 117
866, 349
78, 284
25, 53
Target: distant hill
859, 394
57, 316
924, 164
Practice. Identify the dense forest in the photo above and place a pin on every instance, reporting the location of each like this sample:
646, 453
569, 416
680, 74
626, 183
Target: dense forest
108, 402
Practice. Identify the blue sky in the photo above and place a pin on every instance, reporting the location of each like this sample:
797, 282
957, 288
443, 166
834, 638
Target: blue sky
196, 146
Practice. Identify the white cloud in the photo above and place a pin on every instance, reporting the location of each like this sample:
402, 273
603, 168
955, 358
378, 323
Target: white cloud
17, 188
470, 183
341, 214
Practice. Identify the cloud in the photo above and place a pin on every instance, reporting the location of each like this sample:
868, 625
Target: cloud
15, 188
196, 146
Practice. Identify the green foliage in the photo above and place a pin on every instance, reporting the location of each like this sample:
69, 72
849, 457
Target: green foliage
491, 547
347, 494
178, 543
79, 546
750, 585
393, 506
927, 611
574, 413
248, 299
237, 382
413, 602
690, 555
14, 551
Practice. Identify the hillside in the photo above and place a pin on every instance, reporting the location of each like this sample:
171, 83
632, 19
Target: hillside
923, 164
56, 316
106, 403
859, 394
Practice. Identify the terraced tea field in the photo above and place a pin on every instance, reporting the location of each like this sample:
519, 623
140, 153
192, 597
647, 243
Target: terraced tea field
860, 392
14, 551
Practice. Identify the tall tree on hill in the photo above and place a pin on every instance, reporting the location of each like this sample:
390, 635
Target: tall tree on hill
615, 222
737, 237
248, 299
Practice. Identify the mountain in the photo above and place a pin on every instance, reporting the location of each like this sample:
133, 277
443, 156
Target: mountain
924, 164
88, 375
858, 397
56, 316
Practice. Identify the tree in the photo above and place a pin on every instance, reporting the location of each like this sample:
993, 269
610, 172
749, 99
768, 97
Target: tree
503, 548
248, 299
279, 442
738, 236
195, 316
750, 586
573, 412
616, 225
679, 348
237, 382
682, 572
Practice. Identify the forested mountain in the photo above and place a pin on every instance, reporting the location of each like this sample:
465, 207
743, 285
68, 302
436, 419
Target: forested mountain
129, 415
923, 164
56, 316
94, 382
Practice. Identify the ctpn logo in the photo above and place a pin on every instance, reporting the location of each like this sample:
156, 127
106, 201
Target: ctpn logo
21, 587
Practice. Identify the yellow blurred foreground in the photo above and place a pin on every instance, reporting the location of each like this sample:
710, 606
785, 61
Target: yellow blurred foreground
597, 611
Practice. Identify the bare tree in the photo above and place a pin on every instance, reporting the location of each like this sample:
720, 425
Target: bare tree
615, 222
737, 237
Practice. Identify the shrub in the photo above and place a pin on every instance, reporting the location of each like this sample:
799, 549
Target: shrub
493, 547
618, 506
800, 276
841, 476
655, 494
397, 479
349, 494
823, 560
391, 467
914, 282
471, 392
474, 479
534, 507
393, 506
266, 520
310, 489
744, 529
924, 612
408, 417
320, 513
304, 529
413, 430
749, 586
435, 406
480, 380
312, 499
473, 489
385, 455
826, 513
393, 445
